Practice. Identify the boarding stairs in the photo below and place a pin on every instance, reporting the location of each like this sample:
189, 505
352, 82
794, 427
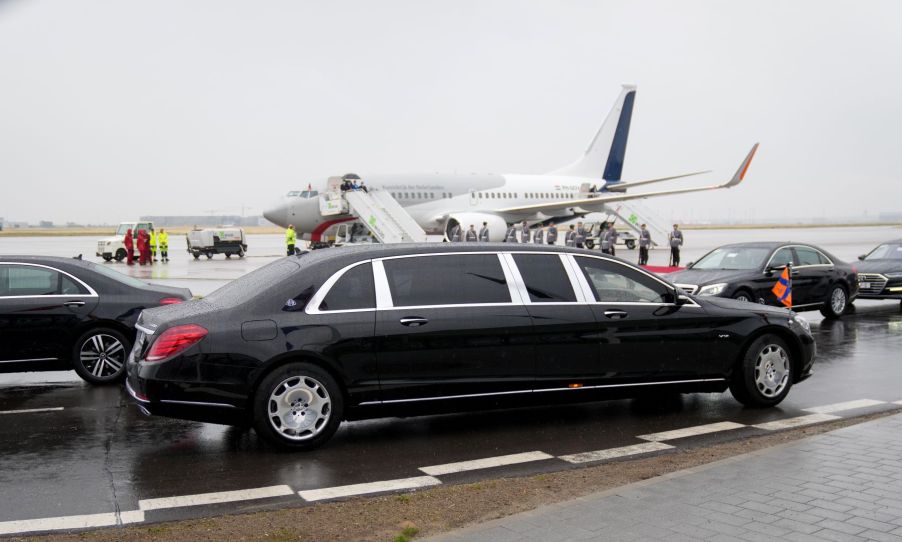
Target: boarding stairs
381, 213
641, 214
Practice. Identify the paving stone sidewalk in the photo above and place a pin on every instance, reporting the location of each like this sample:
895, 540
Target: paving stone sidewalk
843, 485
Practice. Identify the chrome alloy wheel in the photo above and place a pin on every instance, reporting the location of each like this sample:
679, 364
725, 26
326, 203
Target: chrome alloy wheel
102, 355
771, 370
838, 300
299, 408
742, 297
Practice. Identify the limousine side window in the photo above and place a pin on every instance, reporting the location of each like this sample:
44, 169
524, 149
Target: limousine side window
809, 256
545, 278
27, 280
615, 283
354, 290
455, 279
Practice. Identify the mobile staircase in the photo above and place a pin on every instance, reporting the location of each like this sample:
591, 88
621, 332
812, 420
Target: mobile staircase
381, 213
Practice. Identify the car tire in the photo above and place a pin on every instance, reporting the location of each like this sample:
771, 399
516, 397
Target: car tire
209, 255
630, 244
99, 355
590, 244
743, 295
298, 406
228, 255
764, 375
107, 258
196, 255
836, 303
120, 255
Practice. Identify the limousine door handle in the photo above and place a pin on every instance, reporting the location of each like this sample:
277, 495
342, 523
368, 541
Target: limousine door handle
74, 303
413, 321
616, 314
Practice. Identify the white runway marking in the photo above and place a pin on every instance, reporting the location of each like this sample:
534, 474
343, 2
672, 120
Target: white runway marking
611, 453
796, 422
372, 487
848, 405
56, 524
131, 516
29, 410
488, 462
692, 431
214, 498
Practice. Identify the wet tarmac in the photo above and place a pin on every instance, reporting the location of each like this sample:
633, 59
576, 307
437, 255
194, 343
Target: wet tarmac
69, 449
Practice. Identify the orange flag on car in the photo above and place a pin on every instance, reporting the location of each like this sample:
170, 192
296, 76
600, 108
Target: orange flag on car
783, 288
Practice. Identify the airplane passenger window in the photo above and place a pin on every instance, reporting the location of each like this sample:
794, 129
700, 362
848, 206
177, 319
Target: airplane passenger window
354, 290
458, 279
615, 283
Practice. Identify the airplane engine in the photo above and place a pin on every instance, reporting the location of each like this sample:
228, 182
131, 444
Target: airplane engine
497, 226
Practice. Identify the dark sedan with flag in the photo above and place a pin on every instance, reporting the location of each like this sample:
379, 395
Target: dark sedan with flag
753, 272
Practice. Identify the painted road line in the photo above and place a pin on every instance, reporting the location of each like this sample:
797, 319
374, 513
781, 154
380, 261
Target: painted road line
796, 422
29, 410
692, 431
214, 498
372, 487
848, 405
59, 523
612, 453
486, 463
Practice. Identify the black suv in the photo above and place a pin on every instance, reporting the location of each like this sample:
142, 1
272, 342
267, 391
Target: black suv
748, 272
310, 340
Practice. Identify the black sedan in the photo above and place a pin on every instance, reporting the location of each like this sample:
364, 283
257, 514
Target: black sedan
307, 341
65, 313
748, 272
880, 272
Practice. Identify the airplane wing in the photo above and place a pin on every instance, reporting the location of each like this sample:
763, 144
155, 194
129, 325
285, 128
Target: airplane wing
622, 186
591, 202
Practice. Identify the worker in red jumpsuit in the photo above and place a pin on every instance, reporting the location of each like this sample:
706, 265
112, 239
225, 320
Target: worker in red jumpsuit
129, 248
143, 247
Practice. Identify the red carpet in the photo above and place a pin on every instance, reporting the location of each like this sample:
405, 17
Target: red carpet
662, 268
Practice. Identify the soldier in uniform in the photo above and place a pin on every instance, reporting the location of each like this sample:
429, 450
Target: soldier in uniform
524, 232
472, 236
605, 239
539, 237
484, 233
454, 235
676, 242
552, 234
510, 236
644, 243
580, 238
612, 237
570, 237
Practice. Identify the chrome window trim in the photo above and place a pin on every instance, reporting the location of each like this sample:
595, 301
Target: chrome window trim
831, 264
28, 360
523, 291
644, 272
91, 291
197, 403
542, 390
317, 299
515, 284
383, 292
389, 302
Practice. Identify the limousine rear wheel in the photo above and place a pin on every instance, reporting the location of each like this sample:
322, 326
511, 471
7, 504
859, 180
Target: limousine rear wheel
298, 406
99, 355
764, 374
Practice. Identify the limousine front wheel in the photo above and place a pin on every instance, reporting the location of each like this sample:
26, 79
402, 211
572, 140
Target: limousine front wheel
298, 406
764, 374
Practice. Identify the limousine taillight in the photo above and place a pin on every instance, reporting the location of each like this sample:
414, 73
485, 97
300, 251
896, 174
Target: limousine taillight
175, 340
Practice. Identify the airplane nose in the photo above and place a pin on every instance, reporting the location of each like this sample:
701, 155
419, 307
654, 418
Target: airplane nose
278, 213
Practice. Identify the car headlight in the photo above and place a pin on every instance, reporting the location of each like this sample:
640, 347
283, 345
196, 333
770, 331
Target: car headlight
713, 289
893, 275
801, 321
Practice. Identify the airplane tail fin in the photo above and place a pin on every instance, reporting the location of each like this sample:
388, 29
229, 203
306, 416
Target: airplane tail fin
604, 157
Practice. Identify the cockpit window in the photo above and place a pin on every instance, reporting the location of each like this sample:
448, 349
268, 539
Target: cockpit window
294, 194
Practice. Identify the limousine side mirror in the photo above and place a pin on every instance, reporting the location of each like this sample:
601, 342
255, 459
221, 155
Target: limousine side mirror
681, 298
862, 257
689, 265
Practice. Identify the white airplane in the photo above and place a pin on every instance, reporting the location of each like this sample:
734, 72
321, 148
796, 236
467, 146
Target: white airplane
439, 201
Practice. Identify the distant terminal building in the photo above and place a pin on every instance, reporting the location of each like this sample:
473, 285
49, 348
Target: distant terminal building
206, 220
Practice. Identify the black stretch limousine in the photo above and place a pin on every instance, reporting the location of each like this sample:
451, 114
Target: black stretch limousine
308, 341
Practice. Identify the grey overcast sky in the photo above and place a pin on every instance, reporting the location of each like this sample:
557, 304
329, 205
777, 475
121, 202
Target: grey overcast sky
113, 109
